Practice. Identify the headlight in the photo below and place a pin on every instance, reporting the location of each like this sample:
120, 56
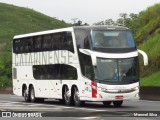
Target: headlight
136, 88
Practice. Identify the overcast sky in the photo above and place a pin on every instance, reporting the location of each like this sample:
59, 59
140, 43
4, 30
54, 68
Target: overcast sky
89, 11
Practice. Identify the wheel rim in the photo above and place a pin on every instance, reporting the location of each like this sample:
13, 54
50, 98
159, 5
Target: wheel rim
76, 98
25, 94
32, 94
66, 95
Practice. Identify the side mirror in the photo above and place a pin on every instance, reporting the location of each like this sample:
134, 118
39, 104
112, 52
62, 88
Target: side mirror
145, 57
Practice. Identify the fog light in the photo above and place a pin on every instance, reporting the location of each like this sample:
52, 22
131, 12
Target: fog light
136, 88
137, 95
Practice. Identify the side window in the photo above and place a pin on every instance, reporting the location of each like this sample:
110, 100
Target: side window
68, 72
22, 45
37, 41
67, 42
83, 39
28, 43
16, 45
38, 71
86, 43
56, 41
56, 71
47, 40
86, 65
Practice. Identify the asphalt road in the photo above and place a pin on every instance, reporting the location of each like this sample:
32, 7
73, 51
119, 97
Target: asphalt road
92, 110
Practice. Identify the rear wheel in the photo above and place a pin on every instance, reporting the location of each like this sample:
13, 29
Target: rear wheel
117, 103
32, 95
76, 98
67, 97
106, 103
26, 95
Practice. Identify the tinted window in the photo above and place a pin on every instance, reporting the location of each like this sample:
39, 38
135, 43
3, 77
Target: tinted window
37, 43
82, 39
23, 45
56, 71
112, 39
67, 42
86, 66
48, 42
56, 41
16, 45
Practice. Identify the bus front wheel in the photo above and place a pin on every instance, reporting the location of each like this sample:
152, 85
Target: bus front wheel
117, 103
106, 103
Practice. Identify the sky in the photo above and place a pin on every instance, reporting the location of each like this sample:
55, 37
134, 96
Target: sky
88, 11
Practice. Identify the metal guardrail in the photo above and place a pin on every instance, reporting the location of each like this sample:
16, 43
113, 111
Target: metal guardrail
150, 93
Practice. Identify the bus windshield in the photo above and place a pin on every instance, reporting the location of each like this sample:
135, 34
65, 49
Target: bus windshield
121, 71
112, 39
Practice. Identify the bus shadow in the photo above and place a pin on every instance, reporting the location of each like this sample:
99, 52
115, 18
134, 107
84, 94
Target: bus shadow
90, 105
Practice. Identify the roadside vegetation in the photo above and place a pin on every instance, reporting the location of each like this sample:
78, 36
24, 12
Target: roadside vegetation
18, 20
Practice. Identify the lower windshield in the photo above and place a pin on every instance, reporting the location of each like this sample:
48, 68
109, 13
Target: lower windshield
117, 70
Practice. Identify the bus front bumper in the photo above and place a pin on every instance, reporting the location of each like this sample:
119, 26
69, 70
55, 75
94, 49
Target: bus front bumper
102, 96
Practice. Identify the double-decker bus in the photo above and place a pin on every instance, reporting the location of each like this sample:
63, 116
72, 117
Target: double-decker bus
77, 64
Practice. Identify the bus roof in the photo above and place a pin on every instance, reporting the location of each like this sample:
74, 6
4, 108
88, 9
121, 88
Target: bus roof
101, 27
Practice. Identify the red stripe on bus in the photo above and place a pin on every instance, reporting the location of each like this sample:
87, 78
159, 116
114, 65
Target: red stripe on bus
94, 89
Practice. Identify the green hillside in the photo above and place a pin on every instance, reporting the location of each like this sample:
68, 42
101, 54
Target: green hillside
147, 34
17, 20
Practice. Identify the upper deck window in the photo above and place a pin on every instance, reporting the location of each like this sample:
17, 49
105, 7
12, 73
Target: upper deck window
112, 39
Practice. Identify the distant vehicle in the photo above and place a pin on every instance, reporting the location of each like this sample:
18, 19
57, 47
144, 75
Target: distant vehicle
77, 64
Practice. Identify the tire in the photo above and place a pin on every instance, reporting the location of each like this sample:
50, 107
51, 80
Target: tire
67, 98
40, 100
26, 96
106, 103
61, 101
117, 103
32, 95
76, 99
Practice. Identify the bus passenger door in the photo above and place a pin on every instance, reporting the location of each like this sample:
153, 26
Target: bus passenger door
54, 83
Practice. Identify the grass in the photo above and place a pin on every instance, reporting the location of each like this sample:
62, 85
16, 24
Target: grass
152, 80
18, 20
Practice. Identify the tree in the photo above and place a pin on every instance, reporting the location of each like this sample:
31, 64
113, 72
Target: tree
109, 22
133, 16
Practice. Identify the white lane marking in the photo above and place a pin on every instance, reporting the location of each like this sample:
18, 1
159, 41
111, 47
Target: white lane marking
9, 102
90, 109
17, 97
28, 108
6, 105
86, 118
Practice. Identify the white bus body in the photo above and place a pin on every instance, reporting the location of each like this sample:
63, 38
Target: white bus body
66, 64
